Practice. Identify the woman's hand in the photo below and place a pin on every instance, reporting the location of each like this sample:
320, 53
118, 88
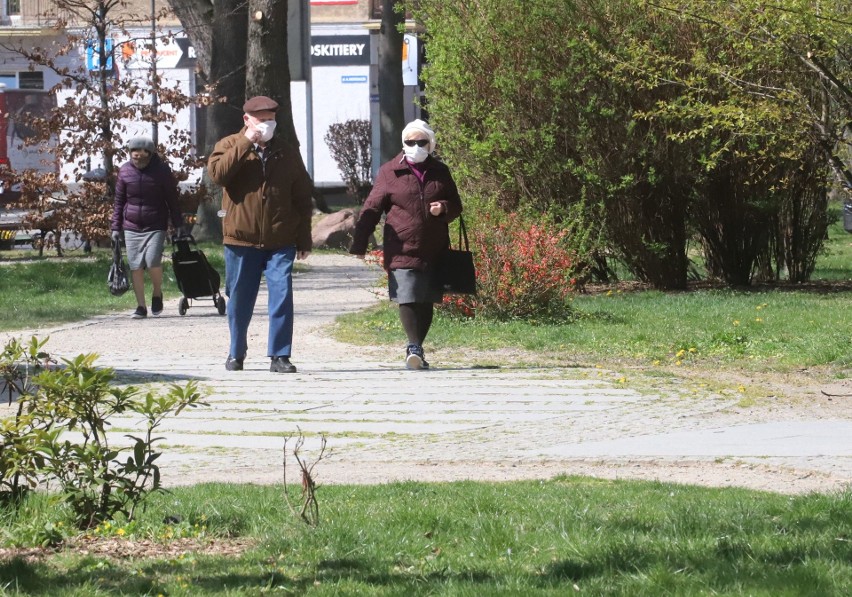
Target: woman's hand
436, 208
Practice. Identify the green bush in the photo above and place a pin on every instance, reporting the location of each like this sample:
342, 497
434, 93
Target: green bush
60, 436
639, 125
19, 363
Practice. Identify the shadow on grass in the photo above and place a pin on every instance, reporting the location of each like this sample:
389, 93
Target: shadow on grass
719, 568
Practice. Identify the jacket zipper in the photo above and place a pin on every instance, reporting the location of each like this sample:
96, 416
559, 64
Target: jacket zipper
262, 199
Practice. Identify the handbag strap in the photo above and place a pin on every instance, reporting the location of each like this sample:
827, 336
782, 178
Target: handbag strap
463, 234
116, 252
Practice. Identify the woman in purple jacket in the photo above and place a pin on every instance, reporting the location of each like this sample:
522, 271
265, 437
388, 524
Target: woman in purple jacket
146, 199
419, 199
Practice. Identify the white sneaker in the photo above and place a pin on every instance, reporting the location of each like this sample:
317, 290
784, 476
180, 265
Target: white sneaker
414, 357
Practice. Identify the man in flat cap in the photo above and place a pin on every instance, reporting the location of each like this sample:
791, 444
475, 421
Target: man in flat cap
267, 225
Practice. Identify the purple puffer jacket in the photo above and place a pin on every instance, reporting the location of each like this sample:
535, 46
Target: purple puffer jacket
146, 199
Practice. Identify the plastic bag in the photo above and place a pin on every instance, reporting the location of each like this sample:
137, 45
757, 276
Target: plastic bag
117, 279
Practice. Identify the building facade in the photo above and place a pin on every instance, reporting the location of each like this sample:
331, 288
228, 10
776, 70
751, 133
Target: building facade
342, 84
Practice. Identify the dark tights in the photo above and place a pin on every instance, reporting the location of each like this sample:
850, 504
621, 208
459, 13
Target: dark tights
416, 320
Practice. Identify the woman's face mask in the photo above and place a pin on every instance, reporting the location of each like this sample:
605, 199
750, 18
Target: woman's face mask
416, 150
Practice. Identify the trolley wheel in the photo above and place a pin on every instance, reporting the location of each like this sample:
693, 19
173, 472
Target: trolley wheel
183, 306
220, 304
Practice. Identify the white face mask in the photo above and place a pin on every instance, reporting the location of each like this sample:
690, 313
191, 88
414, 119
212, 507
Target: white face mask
266, 129
415, 154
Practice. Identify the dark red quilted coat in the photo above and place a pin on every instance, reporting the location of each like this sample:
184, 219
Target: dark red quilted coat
413, 238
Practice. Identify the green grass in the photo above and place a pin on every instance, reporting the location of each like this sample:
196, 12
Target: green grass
39, 292
768, 329
472, 539
782, 328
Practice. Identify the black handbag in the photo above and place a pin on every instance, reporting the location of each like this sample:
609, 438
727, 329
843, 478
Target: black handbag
454, 271
117, 277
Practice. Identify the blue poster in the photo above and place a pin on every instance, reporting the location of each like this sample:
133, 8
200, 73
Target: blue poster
93, 55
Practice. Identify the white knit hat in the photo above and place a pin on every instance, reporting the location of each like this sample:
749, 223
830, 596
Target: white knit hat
423, 127
145, 143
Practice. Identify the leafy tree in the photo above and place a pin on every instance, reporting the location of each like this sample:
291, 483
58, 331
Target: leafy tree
762, 108
92, 115
639, 125
532, 115
811, 97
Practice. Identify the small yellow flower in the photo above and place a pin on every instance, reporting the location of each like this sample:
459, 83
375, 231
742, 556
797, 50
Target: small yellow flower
609, 292
692, 349
622, 379
740, 389
120, 532
736, 322
678, 363
680, 353
758, 319
656, 361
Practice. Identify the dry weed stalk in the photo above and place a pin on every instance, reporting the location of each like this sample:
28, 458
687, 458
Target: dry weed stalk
309, 511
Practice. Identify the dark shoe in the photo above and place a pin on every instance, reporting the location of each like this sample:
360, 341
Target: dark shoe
156, 305
233, 364
415, 358
282, 365
140, 313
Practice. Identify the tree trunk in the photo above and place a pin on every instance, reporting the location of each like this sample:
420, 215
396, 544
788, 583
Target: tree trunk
268, 66
391, 113
103, 76
196, 16
227, 83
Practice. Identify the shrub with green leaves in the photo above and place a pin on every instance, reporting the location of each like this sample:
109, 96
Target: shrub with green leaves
60, 437
647, 125
19, 363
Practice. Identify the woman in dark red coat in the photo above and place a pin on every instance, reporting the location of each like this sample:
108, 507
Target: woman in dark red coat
146, 200
420, 198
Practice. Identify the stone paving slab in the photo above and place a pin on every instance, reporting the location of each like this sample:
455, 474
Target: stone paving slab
820, 438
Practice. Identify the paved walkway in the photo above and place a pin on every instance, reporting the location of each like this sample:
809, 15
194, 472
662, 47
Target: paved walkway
457, 421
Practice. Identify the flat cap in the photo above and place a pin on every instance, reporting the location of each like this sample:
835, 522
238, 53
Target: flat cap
260, 103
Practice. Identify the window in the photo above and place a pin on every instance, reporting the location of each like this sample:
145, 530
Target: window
31, 80
13, 7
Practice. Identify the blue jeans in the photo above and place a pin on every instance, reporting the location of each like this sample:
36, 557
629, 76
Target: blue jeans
243, 269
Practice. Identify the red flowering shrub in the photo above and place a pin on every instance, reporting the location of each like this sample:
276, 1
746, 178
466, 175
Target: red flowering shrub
524, 270
375, 258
